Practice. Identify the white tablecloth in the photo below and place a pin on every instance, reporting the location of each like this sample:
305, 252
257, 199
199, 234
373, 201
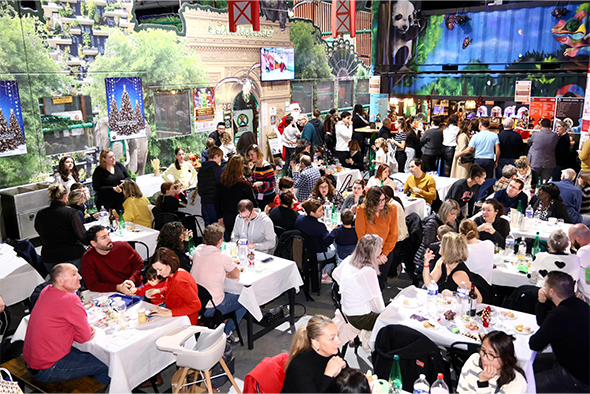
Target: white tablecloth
533, 225
417, 205
150, 184
396, 313
505, 274
131, 355
18, 278
443, 183
144, 234
258, 288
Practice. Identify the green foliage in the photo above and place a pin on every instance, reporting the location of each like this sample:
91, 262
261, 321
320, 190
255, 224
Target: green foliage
311, 61
160, 58
66, 11
86, 39
22, 49
362, 72
91, 8
83, 9
426, 42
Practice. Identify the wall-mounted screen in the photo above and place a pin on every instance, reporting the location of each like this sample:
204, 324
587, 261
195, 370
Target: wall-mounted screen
277, 64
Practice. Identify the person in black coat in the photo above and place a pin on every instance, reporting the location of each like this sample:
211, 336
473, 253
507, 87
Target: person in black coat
491, 225
354, 156
174, 236
61, 230
107, 179
283, 215
313, 360
359, 120
548, 204
209, 176
233, 187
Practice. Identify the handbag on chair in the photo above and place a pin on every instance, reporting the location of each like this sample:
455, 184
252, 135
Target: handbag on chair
7, 385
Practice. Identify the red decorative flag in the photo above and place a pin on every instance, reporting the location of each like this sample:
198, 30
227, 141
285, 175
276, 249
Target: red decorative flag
343, 17
244, 13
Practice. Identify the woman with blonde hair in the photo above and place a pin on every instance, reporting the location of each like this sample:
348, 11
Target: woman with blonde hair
233, 187
136, 205
450, 270
227, 146
525, 173
107, 180
376, 216
77, 200
61, 230
313, 360
362, 301
381, 150
481, 253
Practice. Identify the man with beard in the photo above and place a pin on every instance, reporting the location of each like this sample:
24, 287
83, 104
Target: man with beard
110, 266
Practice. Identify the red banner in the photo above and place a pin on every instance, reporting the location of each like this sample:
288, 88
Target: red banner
244, 13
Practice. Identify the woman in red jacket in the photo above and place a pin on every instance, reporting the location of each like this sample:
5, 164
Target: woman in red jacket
182, 298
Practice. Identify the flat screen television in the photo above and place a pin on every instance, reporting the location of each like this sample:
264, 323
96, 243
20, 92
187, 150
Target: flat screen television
277, 64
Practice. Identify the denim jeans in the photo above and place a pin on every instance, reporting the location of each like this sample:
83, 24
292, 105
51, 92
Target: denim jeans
229, 304
75, 364
209, 214
327, 255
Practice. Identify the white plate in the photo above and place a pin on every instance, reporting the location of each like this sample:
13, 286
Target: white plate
509, 318
522, 332
435, 325
409, 303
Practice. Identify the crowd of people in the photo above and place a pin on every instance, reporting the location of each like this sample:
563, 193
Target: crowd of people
244, 196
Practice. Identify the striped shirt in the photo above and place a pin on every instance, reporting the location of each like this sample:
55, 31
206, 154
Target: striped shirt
585, 210
470, 376
400, 137
266, 175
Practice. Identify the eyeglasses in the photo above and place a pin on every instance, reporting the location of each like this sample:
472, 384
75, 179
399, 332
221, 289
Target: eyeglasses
489, 356
382, 199
246, 217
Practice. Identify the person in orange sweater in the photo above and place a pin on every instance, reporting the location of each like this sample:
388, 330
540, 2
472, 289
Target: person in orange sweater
420, 184
182, 298
376, 216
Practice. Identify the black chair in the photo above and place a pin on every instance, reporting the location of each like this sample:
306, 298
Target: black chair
336, 301
134, 245
218, 317
196, 224
312, 268
459, 352
291, 247
162, 218
278, 231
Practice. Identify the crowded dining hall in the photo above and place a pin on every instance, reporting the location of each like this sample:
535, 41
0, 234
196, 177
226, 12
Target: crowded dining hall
294, 197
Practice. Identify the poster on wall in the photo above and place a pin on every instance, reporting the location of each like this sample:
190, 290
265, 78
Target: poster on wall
125, 104
243, 119
12, 131
541, 108
204, 106
66, 123
522, 91
378, 107
173, 116
569, 110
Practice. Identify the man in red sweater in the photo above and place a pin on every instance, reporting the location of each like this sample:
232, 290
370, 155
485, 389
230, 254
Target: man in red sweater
58, 320
110, 266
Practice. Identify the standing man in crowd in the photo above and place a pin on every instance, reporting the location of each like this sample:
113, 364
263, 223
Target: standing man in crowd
385, 130
542, 150
570, 194
59, 319
511, 146
209, 177
318, 126
432, 144
308, 133
110, 266
216, 134
484, 146
305, 175
343, 136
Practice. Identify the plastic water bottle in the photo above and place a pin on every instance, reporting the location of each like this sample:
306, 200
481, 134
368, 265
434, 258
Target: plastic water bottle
243, 250
463, 296
439, 387
522, 248
529, 212
432, 297
421, 385
104, 217
327, 212
510, 244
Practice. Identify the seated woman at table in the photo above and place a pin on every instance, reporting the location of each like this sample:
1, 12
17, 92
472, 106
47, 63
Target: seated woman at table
354, 156
447, 214
136, 205
67, 173
175, 237
492, 226
356, 198
286, 184
326, 193
312, 227
167, 200
106, 181
481, 253
525, 173
548, 204
557, 259
362, 301
450, 270
210, 269
376, 216
494, 369
181, 170
284, 216
381, 177
77, 200
61, 230
182, 298
313, 360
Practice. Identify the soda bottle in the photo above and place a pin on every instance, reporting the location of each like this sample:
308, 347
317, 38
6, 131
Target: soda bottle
334, 214
519, 208
439, 387
472, 301
121, 221
395, 377
536, 245
421, 385
113, 221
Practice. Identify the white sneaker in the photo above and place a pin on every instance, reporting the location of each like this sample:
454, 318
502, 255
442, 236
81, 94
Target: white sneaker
326, 280
231, 338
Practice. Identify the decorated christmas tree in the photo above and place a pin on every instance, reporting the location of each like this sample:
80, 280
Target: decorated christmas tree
114, 116
15, 131
138, 115
3, 125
